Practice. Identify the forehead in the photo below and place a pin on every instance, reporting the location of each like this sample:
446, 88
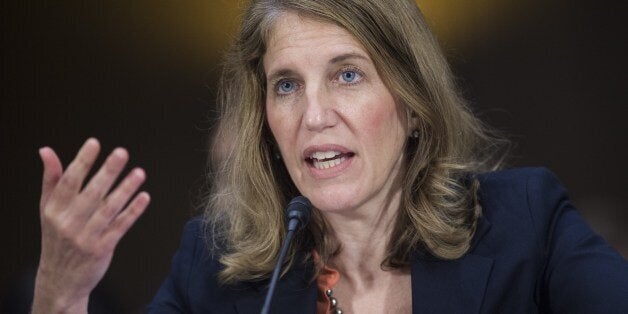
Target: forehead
297, 36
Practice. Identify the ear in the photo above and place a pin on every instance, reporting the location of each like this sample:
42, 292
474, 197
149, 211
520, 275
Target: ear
413, 123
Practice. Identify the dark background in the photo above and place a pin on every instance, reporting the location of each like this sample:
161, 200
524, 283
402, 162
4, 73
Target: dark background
140, 74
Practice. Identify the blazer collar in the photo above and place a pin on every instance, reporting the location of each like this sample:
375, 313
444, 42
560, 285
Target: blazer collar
451, 286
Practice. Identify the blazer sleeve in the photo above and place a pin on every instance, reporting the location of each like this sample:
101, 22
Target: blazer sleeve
172, 296
582, 274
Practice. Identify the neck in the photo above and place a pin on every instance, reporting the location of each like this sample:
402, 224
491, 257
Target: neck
364, 234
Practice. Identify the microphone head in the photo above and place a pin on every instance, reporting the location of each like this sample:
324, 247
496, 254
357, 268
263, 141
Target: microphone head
299, 208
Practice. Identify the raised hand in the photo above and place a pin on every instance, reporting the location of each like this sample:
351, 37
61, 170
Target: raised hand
81, 226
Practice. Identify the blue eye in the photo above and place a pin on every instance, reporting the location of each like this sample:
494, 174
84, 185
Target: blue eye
349, 76
285, 87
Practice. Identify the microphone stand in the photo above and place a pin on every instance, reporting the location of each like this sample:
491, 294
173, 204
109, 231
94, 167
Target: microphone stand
298, 214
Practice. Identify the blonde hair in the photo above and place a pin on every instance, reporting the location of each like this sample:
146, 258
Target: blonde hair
439, 208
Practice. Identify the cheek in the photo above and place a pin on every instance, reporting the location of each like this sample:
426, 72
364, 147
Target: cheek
273, 121
382, 120
273, 117
280, 114
281, 125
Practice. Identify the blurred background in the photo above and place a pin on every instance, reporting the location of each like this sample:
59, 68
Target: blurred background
141, 74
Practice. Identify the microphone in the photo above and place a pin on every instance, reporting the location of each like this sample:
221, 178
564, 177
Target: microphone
298, 210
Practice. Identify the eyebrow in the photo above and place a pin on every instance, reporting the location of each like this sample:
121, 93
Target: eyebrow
276, 75
346, 56
273, 77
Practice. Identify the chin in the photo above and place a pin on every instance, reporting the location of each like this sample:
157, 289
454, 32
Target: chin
332, 201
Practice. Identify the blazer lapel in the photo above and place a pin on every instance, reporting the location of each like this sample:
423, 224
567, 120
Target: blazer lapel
451, 286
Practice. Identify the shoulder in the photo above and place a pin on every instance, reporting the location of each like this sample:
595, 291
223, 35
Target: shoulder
192, 285
519, 205
194, 251
541, 244
519, 182
535, 201
520, 196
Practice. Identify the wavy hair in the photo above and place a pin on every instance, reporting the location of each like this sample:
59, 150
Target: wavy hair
439, 208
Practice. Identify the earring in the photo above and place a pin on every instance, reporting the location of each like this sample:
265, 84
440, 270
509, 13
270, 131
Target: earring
415, 134
277, 155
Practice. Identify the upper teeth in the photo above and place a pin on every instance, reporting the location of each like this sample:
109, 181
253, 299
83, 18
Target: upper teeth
324, 155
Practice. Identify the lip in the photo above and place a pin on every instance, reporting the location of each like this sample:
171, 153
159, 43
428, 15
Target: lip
328, 172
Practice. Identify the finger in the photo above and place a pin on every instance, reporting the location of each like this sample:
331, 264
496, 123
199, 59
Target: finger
125, 220
100, 184
52, 172
115, 201
71, 181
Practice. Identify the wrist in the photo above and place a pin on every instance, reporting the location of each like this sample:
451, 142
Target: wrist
53, 299
58, 306
54, 305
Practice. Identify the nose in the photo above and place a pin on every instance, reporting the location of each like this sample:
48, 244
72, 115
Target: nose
319, 111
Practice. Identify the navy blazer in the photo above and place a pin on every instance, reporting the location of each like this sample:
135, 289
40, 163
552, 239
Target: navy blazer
532, 253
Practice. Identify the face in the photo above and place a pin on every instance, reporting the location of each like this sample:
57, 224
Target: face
337, 126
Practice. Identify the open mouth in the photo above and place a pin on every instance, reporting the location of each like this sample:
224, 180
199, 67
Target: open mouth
327, 159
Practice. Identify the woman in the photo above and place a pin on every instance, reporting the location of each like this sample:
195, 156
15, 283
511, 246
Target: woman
351, 104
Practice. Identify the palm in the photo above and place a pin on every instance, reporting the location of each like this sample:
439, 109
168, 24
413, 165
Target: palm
81, 227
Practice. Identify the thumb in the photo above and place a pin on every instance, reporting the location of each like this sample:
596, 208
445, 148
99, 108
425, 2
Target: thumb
52, 173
